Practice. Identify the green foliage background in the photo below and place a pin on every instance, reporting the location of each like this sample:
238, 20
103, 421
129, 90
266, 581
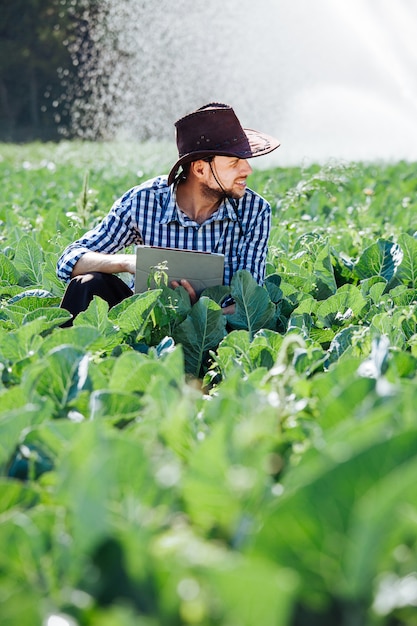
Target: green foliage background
161, 464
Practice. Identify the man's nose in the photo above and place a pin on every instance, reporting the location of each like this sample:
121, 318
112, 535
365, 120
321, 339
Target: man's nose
246, 167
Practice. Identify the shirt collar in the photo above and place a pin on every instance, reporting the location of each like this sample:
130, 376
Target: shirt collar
171, 213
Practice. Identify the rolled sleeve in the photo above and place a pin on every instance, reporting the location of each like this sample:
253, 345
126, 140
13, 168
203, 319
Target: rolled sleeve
111, 235
68, 259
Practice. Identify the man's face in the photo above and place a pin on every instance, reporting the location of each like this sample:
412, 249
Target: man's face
231, 173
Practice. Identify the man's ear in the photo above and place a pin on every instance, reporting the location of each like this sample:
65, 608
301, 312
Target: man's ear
198, 168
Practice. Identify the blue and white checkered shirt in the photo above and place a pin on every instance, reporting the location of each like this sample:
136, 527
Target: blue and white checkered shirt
149, 214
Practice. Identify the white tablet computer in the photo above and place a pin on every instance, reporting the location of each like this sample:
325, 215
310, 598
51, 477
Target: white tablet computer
201, 269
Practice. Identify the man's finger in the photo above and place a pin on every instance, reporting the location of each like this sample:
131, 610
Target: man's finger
188, 288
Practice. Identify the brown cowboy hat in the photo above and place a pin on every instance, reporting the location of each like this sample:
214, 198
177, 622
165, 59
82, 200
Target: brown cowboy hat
214, 130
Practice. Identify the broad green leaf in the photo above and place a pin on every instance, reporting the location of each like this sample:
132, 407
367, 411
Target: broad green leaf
379, 259
13, 423
307, 304
408, 321
50, 279
238, 351
340, 392
233, 352
179, 428
302, 322
375, 516
376, 291
95, 315
50, 317
226, 477
309, 360
135, 372
86, 477
324, 274
319, 519
255, 591
29, 259
323, 336
12, 398
254, 309
20, 597
106, 334
264, 348
118, 406
84, 337
14, 493
269, 338
52, 436
9, 291
373, 287
272, 285
342, 308
209, 497
216, 293
60, 375
132, 314
295, 277
24, 341
107, 482
8, 271
403, 365
14, 313
201, 331
407, 271
382, 324
342, 341
400, 296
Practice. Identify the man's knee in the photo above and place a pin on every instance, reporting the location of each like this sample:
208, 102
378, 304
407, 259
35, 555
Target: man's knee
82, 289
86, 278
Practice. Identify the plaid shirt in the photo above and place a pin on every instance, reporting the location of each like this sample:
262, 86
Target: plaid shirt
149, 214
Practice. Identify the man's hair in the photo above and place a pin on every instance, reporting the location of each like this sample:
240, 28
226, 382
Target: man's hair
185, 169
186, 166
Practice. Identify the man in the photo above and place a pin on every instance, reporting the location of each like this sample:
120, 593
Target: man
203, 205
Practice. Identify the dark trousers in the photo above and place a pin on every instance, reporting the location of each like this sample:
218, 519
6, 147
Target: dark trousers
82, 289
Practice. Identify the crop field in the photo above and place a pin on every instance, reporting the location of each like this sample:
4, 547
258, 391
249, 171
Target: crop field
161, 465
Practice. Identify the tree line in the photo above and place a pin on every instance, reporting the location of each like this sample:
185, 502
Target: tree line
43, 44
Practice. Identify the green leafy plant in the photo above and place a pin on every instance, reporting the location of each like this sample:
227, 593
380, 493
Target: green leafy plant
163, 463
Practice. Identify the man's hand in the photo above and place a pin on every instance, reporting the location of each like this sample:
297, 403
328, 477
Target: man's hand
228, 305
227, 310
188, 288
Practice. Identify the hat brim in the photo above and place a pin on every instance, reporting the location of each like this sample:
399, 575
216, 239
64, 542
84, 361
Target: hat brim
259, 144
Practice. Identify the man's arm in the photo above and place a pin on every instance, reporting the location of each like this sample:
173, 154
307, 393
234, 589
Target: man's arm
107, 263
95, 250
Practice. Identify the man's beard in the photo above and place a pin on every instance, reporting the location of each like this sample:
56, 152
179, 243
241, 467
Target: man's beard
217, 194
